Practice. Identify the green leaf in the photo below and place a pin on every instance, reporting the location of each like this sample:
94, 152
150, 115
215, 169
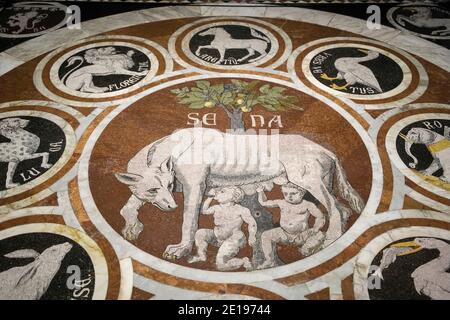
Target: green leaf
197, 105
278, 90
217, 90
253, 102
237, 83
269, 107
180, 92
252, 85
190, 99
204, 85
195, 89
198, 95
291, 99
227, 98
241, 86
271, 100
264, 89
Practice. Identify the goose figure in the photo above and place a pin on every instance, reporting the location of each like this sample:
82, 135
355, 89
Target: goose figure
430, 279
352, 71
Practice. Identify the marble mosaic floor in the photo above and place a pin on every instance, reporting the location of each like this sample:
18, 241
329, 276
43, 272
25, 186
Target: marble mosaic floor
314, 161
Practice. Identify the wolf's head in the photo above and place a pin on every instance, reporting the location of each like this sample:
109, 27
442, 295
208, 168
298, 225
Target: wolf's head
155, 184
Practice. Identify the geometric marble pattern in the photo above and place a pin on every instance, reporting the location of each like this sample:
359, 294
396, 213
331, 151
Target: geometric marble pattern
224, 152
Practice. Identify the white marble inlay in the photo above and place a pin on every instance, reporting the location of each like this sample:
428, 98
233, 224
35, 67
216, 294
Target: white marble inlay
322, 18
48, 104
126, 279
34, 211
8, 63
427, 201
233, 11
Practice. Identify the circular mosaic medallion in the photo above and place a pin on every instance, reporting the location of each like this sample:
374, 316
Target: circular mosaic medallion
34, 146
50, 262
230, 44
408, 263
30, 19
375, 76
100, 71
356, 71
410, 269
427, 20
104, 70
221, 43
419, 146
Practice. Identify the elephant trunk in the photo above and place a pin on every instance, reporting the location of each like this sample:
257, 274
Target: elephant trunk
408, 151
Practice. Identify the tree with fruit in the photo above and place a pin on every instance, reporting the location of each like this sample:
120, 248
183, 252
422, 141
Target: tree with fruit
236, 98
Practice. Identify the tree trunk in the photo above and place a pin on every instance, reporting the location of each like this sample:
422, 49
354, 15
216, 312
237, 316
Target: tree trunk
236, 121
235, 118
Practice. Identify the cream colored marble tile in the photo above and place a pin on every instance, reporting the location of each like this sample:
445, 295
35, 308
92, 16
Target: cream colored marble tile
300, 14
210, 11
8, 63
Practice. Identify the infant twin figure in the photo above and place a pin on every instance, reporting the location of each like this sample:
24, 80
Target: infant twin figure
229, 216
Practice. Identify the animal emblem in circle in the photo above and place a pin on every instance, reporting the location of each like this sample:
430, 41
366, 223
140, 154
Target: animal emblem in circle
422, 17
22, 146
102, 62
438, 145
31, 281
352, 71
25, 20
223, 41
431, 278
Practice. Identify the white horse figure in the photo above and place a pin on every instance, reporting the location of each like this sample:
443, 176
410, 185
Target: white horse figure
223, 41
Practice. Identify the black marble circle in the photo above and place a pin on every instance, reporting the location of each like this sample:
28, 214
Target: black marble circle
386, 71
111, 81
398, 283
30, 19
233, 54
75, 278
425, 20
52, 141
420, 151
